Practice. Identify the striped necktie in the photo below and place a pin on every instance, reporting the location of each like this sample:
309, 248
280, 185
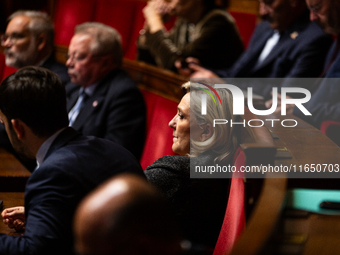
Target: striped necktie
73, 114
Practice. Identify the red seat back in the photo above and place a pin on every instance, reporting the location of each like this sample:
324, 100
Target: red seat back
119, 14
246, 23
8, 70
2, 65
5, 70
234, 219
131, 49
159, 135
68, 14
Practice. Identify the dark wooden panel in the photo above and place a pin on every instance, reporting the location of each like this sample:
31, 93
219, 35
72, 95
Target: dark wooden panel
10, 199
13, 175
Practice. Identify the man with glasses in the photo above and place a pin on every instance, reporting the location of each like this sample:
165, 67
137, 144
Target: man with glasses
325, 103
286, 44
28, 40
102, 100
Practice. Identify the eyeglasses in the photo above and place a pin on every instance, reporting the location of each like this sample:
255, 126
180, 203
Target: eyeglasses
316, 8
13, 38
80, 56
75, 57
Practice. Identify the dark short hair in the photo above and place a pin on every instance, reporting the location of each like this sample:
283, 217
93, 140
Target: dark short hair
37, 97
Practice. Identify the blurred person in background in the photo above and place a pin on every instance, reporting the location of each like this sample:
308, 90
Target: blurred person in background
286, 44
203, 30
28, 41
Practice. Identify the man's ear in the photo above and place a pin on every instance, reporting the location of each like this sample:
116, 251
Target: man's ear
19, 128
207, 132
42, 39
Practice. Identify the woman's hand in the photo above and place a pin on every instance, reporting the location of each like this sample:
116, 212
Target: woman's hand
153, 14
14, 217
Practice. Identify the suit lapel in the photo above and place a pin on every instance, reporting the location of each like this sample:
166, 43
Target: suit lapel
91, 105
71, 101
282, 44
286, 39
64, 137
249, 59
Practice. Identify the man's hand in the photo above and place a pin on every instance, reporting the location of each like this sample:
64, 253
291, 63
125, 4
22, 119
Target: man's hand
193, 69
14, 217
183, 66
289, 107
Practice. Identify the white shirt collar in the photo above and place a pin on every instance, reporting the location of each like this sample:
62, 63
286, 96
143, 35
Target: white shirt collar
45, 146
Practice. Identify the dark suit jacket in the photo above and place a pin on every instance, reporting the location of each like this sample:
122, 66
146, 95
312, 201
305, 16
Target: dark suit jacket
57, 68
325, 102
115, 111
300, 52
73, 166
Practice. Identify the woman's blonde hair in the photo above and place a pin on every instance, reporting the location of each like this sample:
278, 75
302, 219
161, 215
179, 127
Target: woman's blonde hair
224, 140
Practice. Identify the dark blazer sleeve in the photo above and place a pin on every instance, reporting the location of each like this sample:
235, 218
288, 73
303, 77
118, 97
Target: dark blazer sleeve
49, 209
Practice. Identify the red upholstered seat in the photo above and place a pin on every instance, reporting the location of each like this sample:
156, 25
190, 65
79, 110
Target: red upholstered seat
159, 135
234, 219
8, 70
138, 23
5, 70
119, 14
246, 23
331, 128
2, 65
68, 14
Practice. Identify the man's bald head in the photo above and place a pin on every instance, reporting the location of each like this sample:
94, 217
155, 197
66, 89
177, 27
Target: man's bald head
126, 215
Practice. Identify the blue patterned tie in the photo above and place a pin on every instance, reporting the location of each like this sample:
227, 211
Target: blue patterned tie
72, 115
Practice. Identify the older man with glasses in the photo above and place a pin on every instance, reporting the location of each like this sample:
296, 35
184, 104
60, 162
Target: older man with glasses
103, 100
28, 40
